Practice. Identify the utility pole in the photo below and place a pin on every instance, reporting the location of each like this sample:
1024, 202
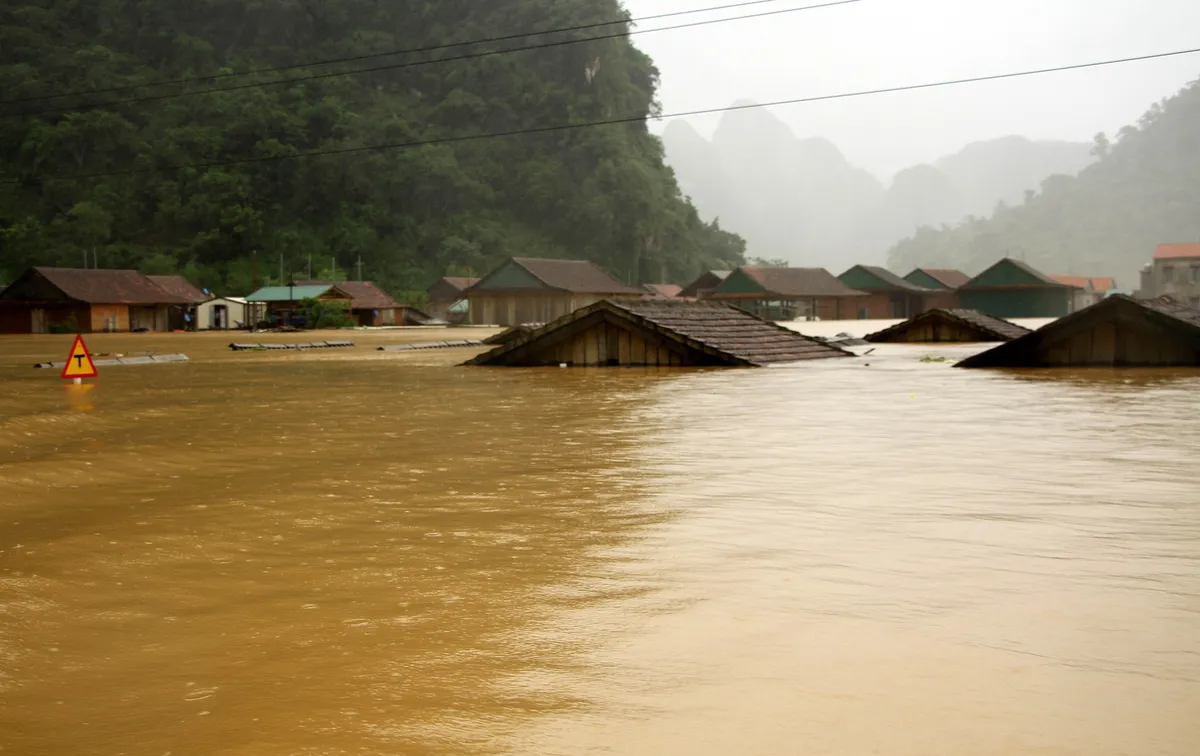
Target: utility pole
360, 267
310, 267
281, 279
254, 270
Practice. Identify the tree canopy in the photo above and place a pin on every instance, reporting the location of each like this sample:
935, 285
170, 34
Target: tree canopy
410, 213
1143, 190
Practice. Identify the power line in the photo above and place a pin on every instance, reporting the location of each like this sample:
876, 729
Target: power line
413, 64
635, 119
407, 51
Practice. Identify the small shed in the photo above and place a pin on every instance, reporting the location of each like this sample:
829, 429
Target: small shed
658, 332
789, 293
1118, 331
889, 295
85, 300
537, 290
1012, 289
706, 284
444, 293
221, 314
942, 325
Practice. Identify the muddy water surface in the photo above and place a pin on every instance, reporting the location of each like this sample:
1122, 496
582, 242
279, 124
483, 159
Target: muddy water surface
358, 552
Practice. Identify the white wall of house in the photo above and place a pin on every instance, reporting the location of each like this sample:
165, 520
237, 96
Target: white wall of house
220, 313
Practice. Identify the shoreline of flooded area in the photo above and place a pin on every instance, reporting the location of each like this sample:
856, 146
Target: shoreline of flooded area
349, 551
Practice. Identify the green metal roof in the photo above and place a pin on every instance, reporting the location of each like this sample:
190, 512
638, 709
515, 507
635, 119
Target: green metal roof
287, 293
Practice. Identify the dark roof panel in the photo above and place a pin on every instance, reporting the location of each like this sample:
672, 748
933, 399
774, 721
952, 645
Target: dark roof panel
102, 286
948, 277
180, 287
800, 282
575, 276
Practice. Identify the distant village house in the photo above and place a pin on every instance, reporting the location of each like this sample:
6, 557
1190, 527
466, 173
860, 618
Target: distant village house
1012, 289
789, 294
889, 295
1174, 271
942, 283
372, 306
704, 285
283, 303
447, 298
86, 300
535, 290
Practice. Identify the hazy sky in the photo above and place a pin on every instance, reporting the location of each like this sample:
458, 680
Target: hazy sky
884, 43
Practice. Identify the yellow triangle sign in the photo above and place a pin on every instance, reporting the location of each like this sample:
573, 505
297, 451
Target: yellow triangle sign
79, 362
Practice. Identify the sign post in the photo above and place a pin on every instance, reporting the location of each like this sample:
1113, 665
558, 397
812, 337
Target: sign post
79, 362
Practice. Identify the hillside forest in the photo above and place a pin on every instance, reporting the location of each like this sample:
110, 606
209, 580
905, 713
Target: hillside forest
1142, 190
142, 178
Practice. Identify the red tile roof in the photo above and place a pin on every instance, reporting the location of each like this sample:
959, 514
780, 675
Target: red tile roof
102, 286
667, 291
1167, 251
1081, 282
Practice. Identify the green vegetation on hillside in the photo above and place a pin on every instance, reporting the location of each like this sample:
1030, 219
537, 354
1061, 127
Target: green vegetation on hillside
1143, 190
411, 214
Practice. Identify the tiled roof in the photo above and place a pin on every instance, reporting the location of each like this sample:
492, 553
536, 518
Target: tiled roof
800, 282
994, 329
1104, 284
460, 282
726, 334
1168, 251
364, 295
707, 279
101, 286
180, 287
1081, 282
888, 277
947, 277
666, 291
575, 276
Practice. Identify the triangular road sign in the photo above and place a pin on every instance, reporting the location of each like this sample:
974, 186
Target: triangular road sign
79, 362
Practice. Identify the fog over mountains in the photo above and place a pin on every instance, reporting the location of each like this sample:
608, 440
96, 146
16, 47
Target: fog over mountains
800, 200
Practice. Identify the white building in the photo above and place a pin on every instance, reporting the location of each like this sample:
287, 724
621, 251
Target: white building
221, 314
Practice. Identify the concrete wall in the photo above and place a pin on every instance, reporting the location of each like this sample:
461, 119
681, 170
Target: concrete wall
1178, 277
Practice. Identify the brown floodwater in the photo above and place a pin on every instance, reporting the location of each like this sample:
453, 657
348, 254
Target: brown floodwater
370, 553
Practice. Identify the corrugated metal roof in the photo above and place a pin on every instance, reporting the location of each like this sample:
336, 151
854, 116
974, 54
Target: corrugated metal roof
288, 293
102, 286
800, 282
1169, 251
180, 287
575, 276
726, 334
990, 328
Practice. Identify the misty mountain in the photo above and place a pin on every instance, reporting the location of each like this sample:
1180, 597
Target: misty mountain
800, 199
1106, 221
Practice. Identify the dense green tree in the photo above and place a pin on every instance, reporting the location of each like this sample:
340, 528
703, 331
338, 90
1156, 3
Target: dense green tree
410, 214
1143, 190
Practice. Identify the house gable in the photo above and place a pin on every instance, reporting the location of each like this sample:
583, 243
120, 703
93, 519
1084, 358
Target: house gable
32, 286
921, 278
740, 282
508, 277
1008, 273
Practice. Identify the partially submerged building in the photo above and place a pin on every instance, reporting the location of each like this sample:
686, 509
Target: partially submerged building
1174, 271
943, 284
658, 332
282, 303
789, 293
180, 317
85, 300
536, 290
949, 325
888, 295
704, 285
370, 305
1012, 289
448, 299
1118, 331
222, 314
1088, 290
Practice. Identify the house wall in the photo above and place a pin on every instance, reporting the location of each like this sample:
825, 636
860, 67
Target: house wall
945, 299
609, 345
513, 308
933, 329
1178, 277
38, 318
109, 318
235, 313
1018, 302
152, 318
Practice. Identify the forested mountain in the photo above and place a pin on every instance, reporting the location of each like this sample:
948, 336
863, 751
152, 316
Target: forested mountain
411, 214
1143, 190
800, 199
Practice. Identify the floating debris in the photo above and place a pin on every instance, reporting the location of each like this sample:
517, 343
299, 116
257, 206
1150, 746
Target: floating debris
432, 345
143, 360
271, 347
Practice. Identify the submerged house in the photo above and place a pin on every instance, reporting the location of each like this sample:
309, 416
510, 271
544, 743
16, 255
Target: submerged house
1118, 331
180, 316
943, 284
889, 295
85, 300
789, 293
447, 292
536, 290
283, 302
1012, 289
657, 333
954, 325
370, 305
704, 285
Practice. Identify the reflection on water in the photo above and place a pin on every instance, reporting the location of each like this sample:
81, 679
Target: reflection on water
372, 553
